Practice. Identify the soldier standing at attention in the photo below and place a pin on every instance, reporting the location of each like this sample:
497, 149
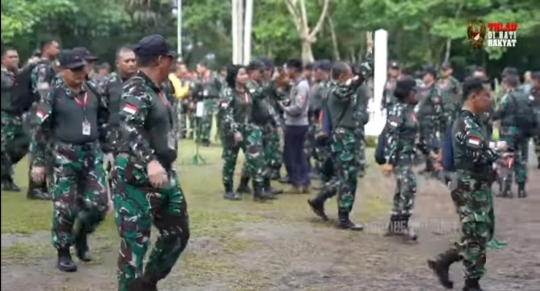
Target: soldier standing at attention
471, 188
11, 119
449, 88
512, 134
146, 189
208, 91
431, 116
73, 120
388, 93
239, 131
43, 77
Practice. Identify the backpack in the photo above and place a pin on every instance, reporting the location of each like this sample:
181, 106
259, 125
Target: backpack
448, 151
23, 91
381, 145
525, 115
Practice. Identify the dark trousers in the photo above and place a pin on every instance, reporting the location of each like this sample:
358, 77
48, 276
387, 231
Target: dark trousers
294, 156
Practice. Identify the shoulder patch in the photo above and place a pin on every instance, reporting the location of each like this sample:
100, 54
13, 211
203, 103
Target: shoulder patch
474, 141
224, 104
130, 109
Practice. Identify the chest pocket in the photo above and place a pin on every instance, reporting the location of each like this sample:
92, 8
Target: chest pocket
242, 107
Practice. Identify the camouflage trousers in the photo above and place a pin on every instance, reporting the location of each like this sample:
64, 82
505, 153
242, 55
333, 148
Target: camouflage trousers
521, 156
193, 123
14, 143
429, 135
323, 157
204, 124
362, 155
474, 205
137, 206
309, 145
536, 140
345, 157
252, 146
271, 151
405, 193
79, 191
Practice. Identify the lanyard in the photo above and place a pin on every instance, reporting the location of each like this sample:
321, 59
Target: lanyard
165, 102
246, 98
82, 103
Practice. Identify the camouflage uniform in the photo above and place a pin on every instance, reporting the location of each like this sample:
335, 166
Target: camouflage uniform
511, 134
316, 96
471, 193
79, 191
14, 140
402, 139
208, 89
363, 118
236, 111
430, 113
451, 101
275, 95
147, 134
388, 95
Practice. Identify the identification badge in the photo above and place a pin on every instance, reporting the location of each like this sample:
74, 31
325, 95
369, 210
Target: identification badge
86, 129
205, 93
171, 140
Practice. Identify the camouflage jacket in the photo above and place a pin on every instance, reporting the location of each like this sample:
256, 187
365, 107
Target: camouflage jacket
43, 77
450, 90
263, 111
236, 110
430, 110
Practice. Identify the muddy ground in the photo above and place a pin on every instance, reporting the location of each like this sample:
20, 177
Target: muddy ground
280, 246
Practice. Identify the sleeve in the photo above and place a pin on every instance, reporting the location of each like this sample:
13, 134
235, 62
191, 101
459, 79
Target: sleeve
395, 121
300, 100
134, 114
226, 107
103, 120
362, 96
42, 78
476, 147
43, 134
502, 108
437, 106
345, 92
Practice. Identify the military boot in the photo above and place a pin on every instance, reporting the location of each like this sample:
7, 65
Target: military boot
148, 284
268, 188
522, 193
441, 267
37, 191
275, 175
65, 263
395, 226
345, 223
507, 191
243, 188
472, 285
81, 243
230, 194
9, 185
408, 231
259, 195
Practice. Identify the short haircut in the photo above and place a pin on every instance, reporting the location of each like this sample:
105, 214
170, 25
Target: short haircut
146, 61
45, 43
473, 85
308, 66
509, 71
7, 49
512, 80
479, 69
536, 76
294, 64
121, 50
339, 68
104, 66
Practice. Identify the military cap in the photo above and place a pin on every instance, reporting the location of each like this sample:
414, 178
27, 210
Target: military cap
430, 70
84, 53
153, 45
255, 66
70, 59
324, 65
267, 62
446, 66
404, 86
394, 65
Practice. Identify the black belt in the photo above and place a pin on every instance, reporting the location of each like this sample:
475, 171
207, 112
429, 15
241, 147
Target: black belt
88, 146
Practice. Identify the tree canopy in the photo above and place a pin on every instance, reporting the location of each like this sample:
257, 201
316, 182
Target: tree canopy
420, 32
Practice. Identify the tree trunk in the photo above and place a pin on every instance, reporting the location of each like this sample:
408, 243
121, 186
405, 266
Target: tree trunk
335, 46
307, 53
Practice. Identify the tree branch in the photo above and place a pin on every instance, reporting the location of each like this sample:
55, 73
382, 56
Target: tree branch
305, 22
291, 6
320, 22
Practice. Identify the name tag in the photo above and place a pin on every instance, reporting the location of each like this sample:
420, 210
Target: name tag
205, 93
86, 129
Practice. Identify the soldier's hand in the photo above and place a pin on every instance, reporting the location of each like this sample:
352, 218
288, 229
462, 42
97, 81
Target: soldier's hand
237, 137
387, 169
156, 174
502, 145
38, 174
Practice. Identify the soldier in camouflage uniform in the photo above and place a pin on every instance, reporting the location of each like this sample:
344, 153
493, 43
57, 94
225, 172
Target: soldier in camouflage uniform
146, 188
449, 88
430, 113
342, 105
513, 135
388, 93
402, 139
363, 94
535, 92
471, 188
73, 119
12, 129
239, 131
267, 118
208, 89
43, 79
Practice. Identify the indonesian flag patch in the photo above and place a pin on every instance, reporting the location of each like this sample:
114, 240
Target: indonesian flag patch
224, 104
474, 141
393, 123
130, 109
41, 115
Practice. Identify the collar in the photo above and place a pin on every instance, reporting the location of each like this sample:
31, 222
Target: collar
148, 82
70, 93
467, 113
298, 80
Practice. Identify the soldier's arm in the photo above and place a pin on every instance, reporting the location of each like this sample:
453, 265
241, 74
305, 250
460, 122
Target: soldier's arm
501, 109
476, 146
134, 115
438, 106
226, 108
362, 96
103, 115
395, 120
43, 134
42, 80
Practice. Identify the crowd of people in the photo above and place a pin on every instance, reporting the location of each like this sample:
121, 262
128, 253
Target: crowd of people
88, 130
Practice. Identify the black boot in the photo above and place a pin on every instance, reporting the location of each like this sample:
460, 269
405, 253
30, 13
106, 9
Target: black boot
472, 285
268, 188
317, 205
243, 188
522, 193
230, 194
407, 231
81, 243
275, 175
259, 195
345, 223
395, 226
37, 191
148, 284
65, 263
441, 267
9, 185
